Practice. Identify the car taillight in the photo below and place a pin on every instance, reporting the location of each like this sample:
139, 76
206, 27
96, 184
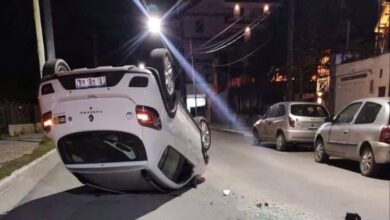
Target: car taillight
291, 122
148, 117
47, 121
385, 135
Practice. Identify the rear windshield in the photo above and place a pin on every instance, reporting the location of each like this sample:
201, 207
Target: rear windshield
309, 110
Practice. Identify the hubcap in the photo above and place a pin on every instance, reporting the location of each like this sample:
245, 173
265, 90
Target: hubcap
279, 141
367, 161
205, 135
168, 72
319, 151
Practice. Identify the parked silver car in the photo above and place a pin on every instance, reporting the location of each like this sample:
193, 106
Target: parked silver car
290, 122
359, 132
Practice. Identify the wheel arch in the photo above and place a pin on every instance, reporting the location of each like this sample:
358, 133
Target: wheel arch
279, 131
363, 145
318, 137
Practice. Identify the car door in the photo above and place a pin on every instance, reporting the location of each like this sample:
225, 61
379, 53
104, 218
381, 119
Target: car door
339, 133
268, 122
277, 121
362, 128
261, 128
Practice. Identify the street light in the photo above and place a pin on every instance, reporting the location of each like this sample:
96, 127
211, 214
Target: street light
266, 8
247, 33
154, 25
236, 10
141, 66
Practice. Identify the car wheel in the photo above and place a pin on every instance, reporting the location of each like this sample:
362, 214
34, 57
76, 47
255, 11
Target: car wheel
320, 156
54, 66
161, 60
205, 137
256, 138
281, 144
368, 166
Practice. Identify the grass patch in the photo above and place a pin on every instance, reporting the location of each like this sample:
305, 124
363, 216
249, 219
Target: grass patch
8, 167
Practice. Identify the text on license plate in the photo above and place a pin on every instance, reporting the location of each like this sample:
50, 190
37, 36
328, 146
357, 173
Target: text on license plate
91, 82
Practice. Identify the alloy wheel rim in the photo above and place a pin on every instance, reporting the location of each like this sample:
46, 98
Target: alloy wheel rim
168, 72
205, 135
367, 161
319, 151
279, 141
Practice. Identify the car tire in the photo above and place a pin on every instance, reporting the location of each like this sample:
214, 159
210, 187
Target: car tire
281, 144
320, 156
52, 67
205, 137
161, 60
368, 166
256, 138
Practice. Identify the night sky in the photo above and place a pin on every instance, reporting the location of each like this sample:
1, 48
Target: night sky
90, 32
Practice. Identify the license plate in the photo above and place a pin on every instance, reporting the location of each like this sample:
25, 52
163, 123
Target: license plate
91, 82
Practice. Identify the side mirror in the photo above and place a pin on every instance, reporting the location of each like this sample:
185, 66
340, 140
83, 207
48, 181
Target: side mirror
329, 119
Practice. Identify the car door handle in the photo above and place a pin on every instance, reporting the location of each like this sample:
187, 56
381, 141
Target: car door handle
345, 131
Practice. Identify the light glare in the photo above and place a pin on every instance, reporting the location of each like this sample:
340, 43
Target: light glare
143, 117
266, 8
47, 123
154, 25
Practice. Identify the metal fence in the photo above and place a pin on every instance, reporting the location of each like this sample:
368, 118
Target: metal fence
12, 112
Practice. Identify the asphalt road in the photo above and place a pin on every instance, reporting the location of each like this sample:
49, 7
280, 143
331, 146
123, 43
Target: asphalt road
264, 184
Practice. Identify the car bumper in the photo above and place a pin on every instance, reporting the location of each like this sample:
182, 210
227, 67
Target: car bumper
299, 136
381, 152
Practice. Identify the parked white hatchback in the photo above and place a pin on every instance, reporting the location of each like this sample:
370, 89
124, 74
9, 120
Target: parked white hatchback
360, 132
290, 123
123, 128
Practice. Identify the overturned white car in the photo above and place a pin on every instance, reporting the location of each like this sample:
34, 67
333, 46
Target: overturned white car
123, 128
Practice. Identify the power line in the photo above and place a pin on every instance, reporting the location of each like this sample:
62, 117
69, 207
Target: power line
235, 37
253, 25
220, 33
245, 56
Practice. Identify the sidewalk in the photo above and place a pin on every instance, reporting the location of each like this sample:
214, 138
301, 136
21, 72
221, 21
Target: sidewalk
242, 130
15, 147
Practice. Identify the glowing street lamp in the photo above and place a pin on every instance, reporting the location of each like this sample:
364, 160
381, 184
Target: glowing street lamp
236, 10
247, 33
154, 25
266, 8
141, 66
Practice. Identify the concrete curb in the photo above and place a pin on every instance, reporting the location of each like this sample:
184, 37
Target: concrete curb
15, 187
243, 133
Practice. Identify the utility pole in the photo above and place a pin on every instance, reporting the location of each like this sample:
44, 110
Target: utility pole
290, 52
39, 35
48, 28
348, 34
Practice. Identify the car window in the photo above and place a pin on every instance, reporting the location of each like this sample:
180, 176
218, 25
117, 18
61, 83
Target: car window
368, 113
272, 111
309, 110
347, 115
281, 111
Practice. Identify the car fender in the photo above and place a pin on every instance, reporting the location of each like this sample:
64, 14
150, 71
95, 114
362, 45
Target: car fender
323, 132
